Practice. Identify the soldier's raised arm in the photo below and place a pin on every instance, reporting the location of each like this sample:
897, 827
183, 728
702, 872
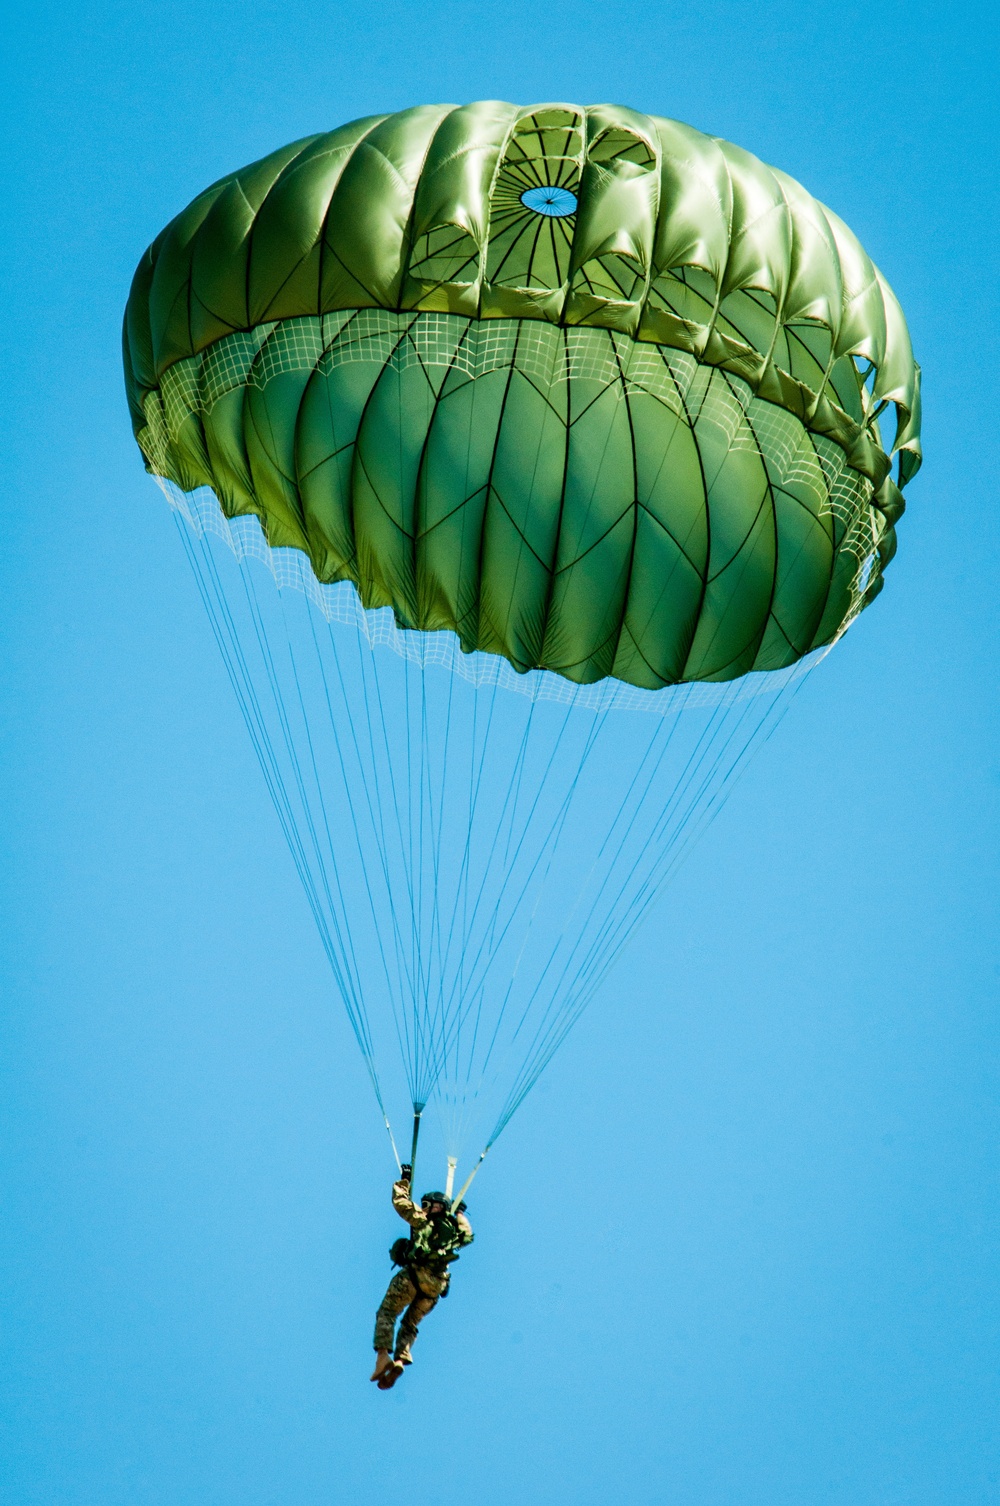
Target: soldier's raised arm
403, 1202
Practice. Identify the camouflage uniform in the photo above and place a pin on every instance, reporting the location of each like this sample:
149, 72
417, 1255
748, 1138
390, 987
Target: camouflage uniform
418, 1285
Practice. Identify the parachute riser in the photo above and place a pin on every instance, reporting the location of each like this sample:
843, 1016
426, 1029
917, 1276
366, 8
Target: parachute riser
468, 1181
418, 1109
392, 1142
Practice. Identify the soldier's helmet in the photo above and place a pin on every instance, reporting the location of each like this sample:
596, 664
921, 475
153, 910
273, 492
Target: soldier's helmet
435, 1197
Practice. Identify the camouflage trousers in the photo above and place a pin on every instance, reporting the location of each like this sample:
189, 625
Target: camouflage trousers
402, 1292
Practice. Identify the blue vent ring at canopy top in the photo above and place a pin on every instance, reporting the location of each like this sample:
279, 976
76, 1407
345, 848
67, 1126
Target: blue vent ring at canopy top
555, 202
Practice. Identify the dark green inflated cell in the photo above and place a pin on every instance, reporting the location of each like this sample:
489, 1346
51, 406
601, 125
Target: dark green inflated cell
592, 390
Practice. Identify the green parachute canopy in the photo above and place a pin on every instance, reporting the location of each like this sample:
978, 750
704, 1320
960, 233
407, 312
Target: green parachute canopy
594, 391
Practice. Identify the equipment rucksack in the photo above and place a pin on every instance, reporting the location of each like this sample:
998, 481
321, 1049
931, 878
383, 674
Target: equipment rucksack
401, 1251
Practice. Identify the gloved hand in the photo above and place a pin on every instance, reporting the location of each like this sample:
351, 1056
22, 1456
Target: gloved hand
406, 1172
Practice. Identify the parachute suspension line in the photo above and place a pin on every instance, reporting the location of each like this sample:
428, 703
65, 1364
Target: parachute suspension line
424, 1043
515, 790
349, 964
377, 826
414, 791
414, 892
423, 983
520, 762
217, 609
449, 1032
435, 932
469, 1179
506, 866
460, 1011
485, 952
564, 813
665, 744
597, 726
475, 787
545, 852
446, 1021
251, 701
415, 1035
547, 848
670, 808
454, 1019
614, 935
662, 865
451, 797
340, 916
667, 866
445, 1104
781, 705
429, 865
449, 1185
461, 899
368, 672
353, 807
517, 902
428, 869
409, 1008
460, 985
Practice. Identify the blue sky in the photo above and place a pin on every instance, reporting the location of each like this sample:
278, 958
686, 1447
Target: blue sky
739, 1248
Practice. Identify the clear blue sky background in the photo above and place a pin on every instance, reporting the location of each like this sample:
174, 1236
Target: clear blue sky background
739, 1249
